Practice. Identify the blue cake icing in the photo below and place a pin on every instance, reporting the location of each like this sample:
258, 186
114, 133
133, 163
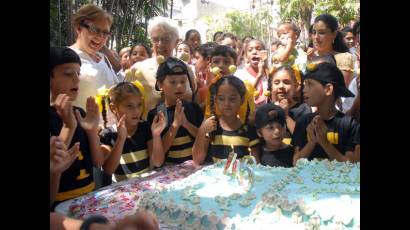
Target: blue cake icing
312, 195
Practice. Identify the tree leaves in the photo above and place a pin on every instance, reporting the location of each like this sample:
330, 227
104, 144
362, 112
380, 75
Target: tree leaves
129, 24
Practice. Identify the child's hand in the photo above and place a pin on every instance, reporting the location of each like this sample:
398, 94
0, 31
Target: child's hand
310, 51
158, 125
321, 132
178, 114
292, 39
61, 159
209, 124
284, 104
200, 80
311, 132
121, 129
264, 55
261, 67
64, 109
92, 117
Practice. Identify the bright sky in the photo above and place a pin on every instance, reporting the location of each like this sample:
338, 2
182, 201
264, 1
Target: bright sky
235, 4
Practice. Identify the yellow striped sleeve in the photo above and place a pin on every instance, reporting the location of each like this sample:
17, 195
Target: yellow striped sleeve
180, 153
231, 140
75, 192
181, 140
119, 177
134, 157
254, 142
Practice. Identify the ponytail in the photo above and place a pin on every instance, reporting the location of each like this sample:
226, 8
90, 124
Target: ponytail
339, 44
212, 109
104, 110
269, 89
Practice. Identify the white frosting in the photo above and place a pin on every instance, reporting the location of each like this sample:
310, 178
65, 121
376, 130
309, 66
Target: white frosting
312, 195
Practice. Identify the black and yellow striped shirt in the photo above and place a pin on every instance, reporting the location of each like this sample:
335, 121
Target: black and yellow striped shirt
78, 179
134, 158
241, 139
181, 148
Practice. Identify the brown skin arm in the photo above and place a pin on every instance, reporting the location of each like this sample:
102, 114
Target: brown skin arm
115, 62
200, 147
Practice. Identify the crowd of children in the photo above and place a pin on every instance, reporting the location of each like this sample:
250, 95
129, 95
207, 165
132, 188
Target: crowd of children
278, 105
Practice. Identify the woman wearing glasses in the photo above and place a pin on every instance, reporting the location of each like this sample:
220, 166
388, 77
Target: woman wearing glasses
92, 27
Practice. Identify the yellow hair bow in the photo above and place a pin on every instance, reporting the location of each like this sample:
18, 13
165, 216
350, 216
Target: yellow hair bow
217, 72
102, 93
296, 71
142, 91
248, 102
132, 74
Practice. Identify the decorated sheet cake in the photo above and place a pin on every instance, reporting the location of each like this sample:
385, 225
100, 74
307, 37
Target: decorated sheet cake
313, 195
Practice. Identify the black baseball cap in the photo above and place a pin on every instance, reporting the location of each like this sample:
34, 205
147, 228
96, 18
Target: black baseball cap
329, 73
269, 113
62, 55
171, 66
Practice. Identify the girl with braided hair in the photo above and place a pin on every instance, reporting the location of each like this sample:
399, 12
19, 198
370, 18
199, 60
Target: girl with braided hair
221, 64
219, 133
130, 143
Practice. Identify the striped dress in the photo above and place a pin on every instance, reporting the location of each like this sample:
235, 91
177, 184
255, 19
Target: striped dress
181, 148
134, 158
241, 139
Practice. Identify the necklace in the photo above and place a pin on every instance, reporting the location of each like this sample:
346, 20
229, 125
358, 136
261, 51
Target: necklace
130, 136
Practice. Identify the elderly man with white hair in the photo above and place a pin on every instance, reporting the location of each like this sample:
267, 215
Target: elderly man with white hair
163, 33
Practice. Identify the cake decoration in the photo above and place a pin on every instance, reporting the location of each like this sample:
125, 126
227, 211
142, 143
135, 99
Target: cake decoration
284, 198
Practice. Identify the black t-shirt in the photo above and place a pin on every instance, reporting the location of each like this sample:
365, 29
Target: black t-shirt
343, 132
181, 148
134, 158
278, 158
298, 110
241, 139
78, 179
295, 112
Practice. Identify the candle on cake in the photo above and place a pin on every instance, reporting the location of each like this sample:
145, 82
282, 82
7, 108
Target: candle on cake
230, 160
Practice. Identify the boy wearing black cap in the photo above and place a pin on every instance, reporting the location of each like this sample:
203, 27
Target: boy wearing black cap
270, 122
77, 180
327, 133
183, 118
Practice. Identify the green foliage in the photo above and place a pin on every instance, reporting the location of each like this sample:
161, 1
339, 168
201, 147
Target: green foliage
343, 10
241, 24
129, 24
303, 10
